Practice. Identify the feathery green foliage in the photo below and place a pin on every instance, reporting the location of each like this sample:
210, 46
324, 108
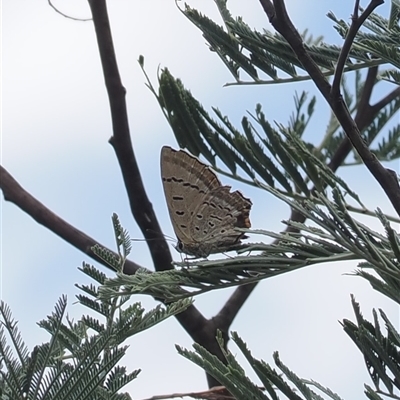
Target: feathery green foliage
381, 353
255, 148
278, 159
263, 53
335, 236
382, 39
81, 359
234, 378
273, 156
88, 371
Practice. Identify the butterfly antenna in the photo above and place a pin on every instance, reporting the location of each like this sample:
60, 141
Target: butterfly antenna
163, 237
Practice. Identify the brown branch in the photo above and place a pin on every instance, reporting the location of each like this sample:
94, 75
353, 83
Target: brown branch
16, 194
199, 328
228, 312
366, 113
140, 205
386, 178
355, 26
386, 100
363, 118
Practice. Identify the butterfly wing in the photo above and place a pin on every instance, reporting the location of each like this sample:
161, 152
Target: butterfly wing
186, 182
216, 218
204, 214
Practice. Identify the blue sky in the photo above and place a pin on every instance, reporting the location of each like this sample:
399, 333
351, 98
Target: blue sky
55, 131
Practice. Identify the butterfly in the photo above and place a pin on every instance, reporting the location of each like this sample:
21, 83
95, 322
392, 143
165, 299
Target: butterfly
203, 212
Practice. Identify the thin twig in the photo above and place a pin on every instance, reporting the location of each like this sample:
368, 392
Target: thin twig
385, 100
65, 15
215, 393
355, 26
